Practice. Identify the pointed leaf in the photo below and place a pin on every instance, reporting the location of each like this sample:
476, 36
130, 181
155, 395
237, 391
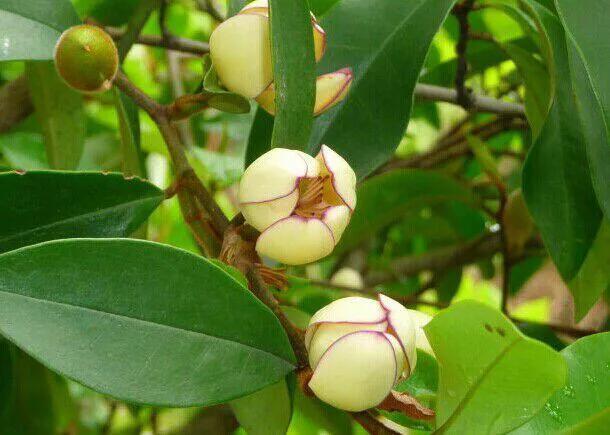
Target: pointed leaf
140, 321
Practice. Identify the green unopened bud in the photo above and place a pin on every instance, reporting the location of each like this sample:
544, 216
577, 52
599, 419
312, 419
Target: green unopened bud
518, 223
86, 58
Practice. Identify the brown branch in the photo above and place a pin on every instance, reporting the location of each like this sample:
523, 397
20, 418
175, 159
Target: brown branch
461, 12
440, 259
15, 103
174, 43
262, 292
454, 145
424, 92
209, 7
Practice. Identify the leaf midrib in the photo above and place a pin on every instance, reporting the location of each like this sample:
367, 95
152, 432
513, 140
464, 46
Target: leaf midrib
471, 392
147, 322
80, 216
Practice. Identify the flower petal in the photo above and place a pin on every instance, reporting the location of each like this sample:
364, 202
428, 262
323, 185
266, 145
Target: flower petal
357, 372
343, 176
353, 309
319, 39
401, 323
273, 175
347, 277
331, 89
421, 341
337, 218
261, 215
327, 333
261, 7
240, 49
296, 240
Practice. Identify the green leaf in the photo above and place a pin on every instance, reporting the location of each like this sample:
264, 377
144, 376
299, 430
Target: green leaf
23, 150
582, 406
484, 156
234, 6
386, 59
292, 50
60, 113
537, 85
39, 402
266, 412
31, 28
41, 206
422, 385
6, 375
140, 321
585, 24
556, 179
107, 12
219, 98
491, 376
129, 129
592, 279
385, 198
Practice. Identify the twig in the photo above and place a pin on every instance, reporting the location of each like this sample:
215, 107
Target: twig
262, 292
461, 12
563, 329
455, 145
209, 7
426, 92
175, 43
440, 259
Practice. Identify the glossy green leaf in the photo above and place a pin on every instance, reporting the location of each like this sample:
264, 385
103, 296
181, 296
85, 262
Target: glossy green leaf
266, 412
591, 280
582, 406
386, 60
586, 33
556, 178
61, 115
39, 402
31, 28
292, 50
140, 321
41, 206
129, 130
491, 376
385, 198
422, 385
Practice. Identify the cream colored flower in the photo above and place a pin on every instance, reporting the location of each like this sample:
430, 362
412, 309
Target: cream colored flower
240, 49
359, 349
300, 204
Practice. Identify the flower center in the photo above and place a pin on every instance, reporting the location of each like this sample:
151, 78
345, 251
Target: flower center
312, 203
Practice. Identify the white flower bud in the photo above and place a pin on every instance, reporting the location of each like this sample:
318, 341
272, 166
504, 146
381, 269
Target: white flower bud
421, 341
300, 204
347, 277
331, 89
359, 349
240, 49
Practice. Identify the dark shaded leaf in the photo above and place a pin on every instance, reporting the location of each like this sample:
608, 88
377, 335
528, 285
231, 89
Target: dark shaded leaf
41, 206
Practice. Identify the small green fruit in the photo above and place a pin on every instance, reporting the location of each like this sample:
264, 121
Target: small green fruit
86, 58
